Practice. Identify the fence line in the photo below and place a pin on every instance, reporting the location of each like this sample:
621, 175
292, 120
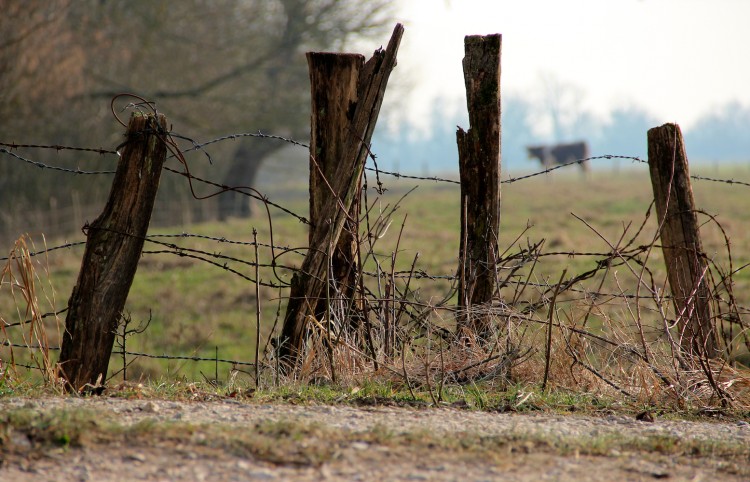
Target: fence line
185, 252
47, 166
133, 353
151, 237
223, 261
397, 175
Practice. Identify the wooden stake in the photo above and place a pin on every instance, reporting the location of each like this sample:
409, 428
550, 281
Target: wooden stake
113, 247
686, 262
309, 282
333, 81
479, 166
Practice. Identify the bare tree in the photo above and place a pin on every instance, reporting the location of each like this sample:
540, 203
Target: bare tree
215, 67
245, 66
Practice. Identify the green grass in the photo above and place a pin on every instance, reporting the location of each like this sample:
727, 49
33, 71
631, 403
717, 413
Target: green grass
196, 309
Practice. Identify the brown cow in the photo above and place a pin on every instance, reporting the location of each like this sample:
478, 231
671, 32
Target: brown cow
559, 154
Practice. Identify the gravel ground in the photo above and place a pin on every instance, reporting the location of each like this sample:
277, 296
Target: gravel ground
371, 461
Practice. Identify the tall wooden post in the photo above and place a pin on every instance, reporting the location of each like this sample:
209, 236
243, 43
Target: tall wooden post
113, 247
686, 262
333, 82
479, 166
309, 282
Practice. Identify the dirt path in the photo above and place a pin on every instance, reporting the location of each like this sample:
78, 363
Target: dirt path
217, 442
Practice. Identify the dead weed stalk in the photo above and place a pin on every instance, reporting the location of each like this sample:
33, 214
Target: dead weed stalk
21, 278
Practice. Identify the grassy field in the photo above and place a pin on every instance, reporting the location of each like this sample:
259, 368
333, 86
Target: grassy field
198, 309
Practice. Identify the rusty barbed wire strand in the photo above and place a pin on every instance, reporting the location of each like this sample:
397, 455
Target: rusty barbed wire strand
25, 322
10, 344
296, 250
129, 353
511, 180
49, 250
572, 163
398, 175
225, 240
57, 147
184, 357
258, 134
725, 181
47, 166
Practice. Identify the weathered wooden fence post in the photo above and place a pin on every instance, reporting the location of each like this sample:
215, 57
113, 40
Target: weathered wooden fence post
479, 166
113, 247
686, 262
333, 82
309, 282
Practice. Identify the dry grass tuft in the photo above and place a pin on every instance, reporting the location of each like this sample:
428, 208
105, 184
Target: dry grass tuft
29, 329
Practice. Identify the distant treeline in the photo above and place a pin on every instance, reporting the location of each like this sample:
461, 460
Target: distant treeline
718, 136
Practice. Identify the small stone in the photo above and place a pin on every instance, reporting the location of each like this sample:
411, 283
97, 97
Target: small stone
150, 407
261, 475
136, 457
645, 416
19, 440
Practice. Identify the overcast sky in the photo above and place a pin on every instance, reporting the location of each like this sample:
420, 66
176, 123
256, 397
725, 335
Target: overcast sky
677, 59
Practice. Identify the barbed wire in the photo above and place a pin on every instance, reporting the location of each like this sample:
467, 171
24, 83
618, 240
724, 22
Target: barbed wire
572, 163
47, 250
416, 274
10, 344
222, 239
26, 322
511, 180
258, 134
183, 357
725, 181
420, 274
398, 175
225, 240
58, 147
47, 166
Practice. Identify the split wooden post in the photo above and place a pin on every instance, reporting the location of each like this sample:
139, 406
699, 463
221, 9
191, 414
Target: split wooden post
113, 247
308, 283
333, 82
687, 267
479, 166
